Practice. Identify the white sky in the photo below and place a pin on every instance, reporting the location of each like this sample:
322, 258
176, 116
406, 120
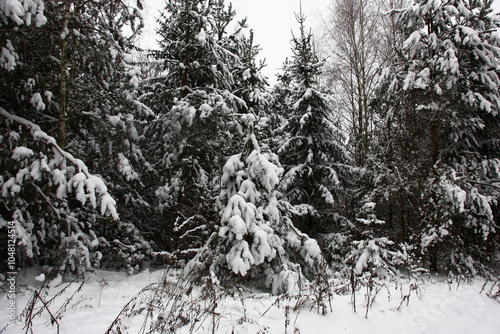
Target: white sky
272, 22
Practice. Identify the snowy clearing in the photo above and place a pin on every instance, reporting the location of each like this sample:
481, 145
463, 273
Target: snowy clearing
435, 306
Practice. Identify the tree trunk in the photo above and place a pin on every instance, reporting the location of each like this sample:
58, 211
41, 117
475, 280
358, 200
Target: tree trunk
434, 143
186, 59
63, 90
186, 65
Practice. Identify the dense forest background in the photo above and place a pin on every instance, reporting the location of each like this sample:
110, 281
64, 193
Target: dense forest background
378, 148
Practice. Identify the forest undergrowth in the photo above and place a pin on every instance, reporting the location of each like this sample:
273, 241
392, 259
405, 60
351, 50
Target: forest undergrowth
176, 301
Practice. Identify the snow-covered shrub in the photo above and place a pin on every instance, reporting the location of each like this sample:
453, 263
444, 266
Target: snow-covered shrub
361, 254
362, 261
374, 255
255, 239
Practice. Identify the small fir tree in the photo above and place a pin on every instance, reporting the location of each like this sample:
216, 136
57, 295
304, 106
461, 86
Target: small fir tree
255, 239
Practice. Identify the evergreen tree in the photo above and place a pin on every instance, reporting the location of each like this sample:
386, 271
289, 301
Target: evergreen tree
104, 117
52, 202
312, 152
75, 80
438, 112
256, 240
207, 78
249, 83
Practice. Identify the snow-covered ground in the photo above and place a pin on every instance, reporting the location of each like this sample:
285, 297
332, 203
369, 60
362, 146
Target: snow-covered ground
436, 306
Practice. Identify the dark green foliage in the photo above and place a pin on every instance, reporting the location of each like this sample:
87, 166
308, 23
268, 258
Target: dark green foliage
312, 149
68, 234
207, 90
437, 134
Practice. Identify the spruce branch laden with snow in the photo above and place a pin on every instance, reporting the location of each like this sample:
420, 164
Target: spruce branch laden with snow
56, 204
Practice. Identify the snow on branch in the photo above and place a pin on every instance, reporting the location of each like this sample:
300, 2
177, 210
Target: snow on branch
21, 12
84, 184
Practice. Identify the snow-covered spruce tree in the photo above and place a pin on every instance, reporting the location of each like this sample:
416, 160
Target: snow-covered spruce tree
104, 117
50, 200
439, 116
256, 242
193, 50
249, 82
282, 93
75, 80
201, 114
313, 154
17, 25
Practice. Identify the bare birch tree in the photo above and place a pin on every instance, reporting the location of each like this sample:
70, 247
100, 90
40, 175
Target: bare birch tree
357, 43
